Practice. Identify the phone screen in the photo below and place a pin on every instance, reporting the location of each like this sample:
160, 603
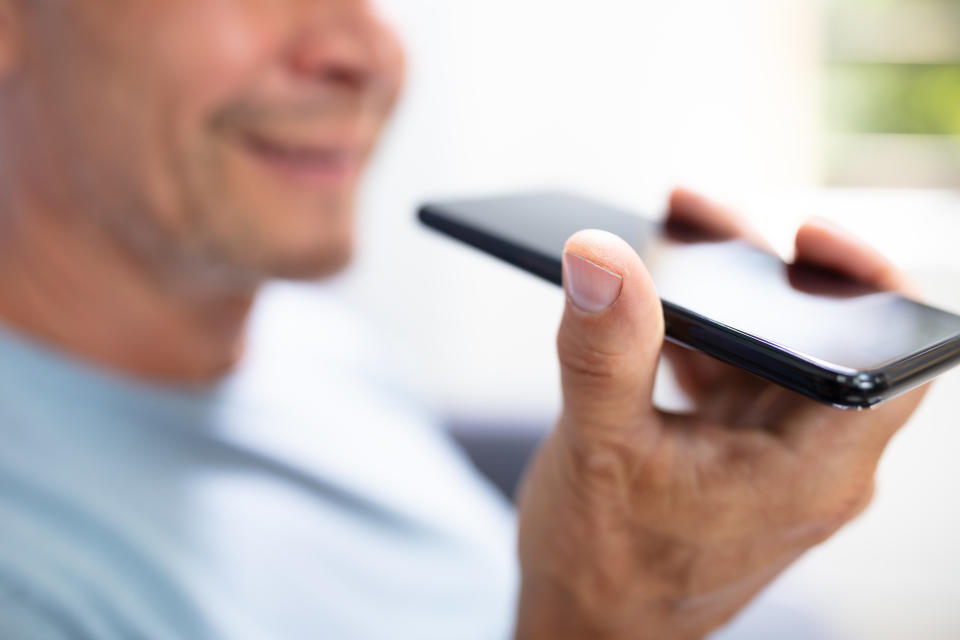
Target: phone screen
816, 315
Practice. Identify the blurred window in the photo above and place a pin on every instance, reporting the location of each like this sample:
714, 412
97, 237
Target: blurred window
893, 93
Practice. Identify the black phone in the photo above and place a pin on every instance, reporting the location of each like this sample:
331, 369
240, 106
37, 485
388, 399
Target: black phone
812, 331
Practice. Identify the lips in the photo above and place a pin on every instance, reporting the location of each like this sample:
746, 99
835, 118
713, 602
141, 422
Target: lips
313, 162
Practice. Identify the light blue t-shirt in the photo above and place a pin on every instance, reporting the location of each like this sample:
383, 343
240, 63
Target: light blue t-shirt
305, 496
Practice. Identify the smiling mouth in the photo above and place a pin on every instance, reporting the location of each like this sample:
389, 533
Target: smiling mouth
316, 164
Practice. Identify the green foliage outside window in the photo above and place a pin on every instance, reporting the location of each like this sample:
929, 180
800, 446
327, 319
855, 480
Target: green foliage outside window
894, 98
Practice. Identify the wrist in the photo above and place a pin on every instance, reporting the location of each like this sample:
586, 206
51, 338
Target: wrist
551, 611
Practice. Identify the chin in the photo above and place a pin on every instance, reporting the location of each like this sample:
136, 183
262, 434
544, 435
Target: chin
317, 263
277, 236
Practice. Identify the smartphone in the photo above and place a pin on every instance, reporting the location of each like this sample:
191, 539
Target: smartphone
813, 331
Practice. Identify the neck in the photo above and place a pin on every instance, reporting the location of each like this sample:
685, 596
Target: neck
78, 289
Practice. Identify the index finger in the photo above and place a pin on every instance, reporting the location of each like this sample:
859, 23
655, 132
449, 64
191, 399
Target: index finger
824, 244
696, 210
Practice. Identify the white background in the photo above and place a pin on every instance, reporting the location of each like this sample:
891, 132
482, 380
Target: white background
622, 100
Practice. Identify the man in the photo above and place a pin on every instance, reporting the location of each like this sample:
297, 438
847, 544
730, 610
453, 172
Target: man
162, 477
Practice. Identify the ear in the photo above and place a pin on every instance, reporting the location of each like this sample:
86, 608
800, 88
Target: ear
12, 38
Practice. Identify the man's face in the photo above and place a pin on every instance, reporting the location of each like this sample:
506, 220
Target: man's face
219, 132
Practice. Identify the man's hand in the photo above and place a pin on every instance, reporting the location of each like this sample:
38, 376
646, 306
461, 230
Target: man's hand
636, 523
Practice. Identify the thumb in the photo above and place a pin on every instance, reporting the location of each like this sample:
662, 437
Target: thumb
610, 338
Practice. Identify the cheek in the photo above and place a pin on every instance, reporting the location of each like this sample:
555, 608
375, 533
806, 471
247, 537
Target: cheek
393, 58
206, 55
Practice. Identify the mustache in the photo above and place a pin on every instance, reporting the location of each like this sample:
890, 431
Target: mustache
322, 104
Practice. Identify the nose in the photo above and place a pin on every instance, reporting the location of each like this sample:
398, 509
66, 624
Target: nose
339, 46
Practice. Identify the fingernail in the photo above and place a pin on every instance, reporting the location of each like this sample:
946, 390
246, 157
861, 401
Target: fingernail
590, 286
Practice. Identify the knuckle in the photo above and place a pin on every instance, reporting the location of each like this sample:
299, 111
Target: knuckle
584, 359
